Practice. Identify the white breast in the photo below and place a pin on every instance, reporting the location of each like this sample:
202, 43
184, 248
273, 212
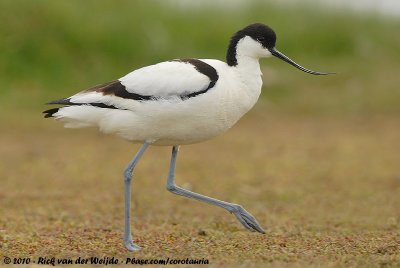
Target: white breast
172, 120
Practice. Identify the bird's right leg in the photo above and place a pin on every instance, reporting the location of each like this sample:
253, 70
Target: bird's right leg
127, 180
241, 214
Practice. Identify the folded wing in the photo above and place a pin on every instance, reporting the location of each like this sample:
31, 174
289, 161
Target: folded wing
179, 79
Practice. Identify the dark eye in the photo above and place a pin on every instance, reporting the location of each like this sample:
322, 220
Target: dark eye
261, 38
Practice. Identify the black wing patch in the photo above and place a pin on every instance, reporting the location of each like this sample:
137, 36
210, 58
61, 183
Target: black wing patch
117, 89
50, 112
67, 102
205, 69
111, 88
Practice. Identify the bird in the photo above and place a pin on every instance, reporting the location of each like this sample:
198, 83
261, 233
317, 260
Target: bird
177, 102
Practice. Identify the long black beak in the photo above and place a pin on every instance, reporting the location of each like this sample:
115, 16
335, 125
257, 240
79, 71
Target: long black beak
281, 56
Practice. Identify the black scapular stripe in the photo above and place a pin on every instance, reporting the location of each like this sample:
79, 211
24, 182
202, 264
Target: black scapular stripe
117, 89
205, 69
50, 112
67, 102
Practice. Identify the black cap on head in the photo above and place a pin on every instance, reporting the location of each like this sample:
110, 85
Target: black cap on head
267, 38
259, 32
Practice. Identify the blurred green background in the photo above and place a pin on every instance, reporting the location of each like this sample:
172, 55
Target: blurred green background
52, 49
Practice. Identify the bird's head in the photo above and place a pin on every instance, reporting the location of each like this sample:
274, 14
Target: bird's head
258, 41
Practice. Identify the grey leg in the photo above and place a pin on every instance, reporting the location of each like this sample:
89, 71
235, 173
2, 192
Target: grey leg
128, 179
241, 214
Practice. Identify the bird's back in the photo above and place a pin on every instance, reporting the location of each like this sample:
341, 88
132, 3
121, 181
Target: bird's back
174, 102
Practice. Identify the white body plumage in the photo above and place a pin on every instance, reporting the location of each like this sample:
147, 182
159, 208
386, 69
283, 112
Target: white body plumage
169, 119
181, 101
178, 102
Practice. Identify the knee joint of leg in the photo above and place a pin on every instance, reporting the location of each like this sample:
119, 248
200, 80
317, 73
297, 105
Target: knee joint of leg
127, 176
236, 208
171, 187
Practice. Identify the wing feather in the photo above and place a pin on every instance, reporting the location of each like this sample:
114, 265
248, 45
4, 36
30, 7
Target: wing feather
171, 78
182, 79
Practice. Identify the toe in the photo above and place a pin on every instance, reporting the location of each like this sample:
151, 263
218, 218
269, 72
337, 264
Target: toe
131, 246
242, 221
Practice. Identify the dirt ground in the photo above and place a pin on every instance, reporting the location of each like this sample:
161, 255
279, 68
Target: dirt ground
326, 190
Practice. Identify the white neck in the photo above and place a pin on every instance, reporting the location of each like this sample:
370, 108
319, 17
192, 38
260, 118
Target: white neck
248, 65
248, 52
248, 71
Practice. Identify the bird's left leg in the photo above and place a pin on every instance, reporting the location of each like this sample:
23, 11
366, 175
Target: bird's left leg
127, 181
241, 214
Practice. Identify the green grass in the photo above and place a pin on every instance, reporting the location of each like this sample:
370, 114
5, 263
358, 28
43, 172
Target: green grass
52, 49
316, 161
